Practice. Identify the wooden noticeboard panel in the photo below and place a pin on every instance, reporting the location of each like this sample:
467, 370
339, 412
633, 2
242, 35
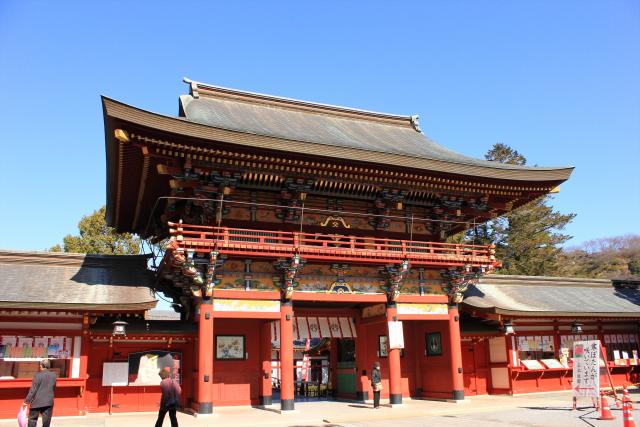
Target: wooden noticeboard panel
115, 374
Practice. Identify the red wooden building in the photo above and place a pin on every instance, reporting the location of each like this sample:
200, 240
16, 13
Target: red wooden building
48, 303
518, 331
292, 223
303, 242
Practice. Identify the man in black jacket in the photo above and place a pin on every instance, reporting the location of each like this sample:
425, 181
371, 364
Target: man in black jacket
376, 384
40, 395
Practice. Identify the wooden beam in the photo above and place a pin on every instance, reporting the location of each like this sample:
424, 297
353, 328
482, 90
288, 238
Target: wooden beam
168, 170
142, 186
179, 183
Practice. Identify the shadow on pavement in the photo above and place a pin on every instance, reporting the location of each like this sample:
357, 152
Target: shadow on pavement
547, 408
361, 406
582, 418
324, 425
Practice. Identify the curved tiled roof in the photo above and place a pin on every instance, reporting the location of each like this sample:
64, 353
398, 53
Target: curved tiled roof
215, 114
322, 124
552, 296
68, 281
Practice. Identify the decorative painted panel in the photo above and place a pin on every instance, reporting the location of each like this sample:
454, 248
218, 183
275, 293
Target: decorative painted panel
325, 278
422, 309
246, 305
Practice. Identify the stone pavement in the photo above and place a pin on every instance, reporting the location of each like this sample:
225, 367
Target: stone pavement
533, 410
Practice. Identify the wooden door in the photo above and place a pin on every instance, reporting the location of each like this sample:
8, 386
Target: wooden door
469, 369
481, 360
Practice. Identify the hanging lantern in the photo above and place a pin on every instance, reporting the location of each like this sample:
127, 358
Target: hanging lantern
507, 328
576, 328
119, 328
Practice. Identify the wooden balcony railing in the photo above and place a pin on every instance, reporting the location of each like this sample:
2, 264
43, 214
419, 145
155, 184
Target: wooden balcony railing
327, 247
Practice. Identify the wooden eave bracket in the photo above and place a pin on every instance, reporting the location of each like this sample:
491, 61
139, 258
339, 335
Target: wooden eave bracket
122, 135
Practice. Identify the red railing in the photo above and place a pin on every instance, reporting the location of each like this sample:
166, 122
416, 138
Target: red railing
329, 247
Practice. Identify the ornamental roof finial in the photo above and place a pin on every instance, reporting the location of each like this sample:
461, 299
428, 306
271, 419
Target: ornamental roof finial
415, 122
194, 86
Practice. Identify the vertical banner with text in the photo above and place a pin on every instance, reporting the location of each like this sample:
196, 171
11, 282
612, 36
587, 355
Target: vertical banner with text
586, 368
396, 336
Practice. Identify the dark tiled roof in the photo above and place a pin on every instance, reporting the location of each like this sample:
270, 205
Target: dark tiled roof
75, 281
162, 315
262, 122
552, 296
320, 124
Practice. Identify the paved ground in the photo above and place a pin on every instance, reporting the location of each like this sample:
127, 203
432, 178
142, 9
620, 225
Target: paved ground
544, 410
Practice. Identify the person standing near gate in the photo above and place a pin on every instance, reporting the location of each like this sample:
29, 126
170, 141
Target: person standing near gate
376, 384
171, 398
40, 395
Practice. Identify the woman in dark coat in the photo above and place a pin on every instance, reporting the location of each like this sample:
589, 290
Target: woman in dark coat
171, 397
376, 384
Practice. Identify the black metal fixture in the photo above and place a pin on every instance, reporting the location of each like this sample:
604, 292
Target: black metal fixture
507, 328
119, 328
576, 328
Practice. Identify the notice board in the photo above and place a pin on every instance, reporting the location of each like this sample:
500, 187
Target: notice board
115, 374
586, 368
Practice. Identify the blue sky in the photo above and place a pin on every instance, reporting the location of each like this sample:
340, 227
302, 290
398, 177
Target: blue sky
558, 81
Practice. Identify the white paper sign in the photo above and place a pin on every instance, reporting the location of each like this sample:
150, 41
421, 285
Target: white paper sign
115, 374
396, 337
586, 368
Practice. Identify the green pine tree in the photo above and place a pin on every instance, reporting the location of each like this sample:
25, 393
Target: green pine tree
527, 239
98, 238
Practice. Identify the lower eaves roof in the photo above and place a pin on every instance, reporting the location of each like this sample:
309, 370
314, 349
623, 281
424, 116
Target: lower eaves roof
37, 280
552, 296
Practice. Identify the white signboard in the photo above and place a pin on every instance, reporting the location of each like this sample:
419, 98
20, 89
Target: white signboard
396, 337
586, 368
115, 374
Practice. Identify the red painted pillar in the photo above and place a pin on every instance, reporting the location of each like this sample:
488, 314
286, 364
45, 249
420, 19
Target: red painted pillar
205, 357
395, 374
456, 353
511, 361
84, 363
265, 356
362, 384
286, 356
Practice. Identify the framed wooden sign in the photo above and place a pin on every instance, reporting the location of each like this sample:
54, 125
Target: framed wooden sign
433, 342
230, 347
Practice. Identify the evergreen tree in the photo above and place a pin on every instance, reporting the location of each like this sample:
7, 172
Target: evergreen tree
527, 239
98, 238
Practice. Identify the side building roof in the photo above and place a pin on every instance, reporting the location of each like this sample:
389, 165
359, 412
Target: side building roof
552, 296
37, 280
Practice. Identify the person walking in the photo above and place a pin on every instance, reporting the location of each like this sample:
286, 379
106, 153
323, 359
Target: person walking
171, 398
376, 384
40, 395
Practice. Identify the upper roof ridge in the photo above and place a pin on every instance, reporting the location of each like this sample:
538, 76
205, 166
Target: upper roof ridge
205, 90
